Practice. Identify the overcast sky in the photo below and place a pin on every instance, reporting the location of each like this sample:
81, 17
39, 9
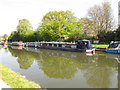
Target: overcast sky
11, 11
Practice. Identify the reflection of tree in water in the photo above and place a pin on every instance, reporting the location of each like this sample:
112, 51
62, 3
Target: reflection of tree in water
58, 67
64, 65
6, 50
81, 59
98, 75
59, 64
25, 58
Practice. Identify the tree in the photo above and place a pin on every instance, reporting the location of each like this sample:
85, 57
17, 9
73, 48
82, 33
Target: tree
5, 36
117, 34
24, 31
102, 17
14, 36
88, 26
76, 33
109, 36
57, 24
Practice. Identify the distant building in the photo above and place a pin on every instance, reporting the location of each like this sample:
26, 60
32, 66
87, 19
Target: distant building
119, 13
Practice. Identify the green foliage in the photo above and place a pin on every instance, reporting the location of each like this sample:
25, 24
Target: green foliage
109, 36
58, 24
54, 25
24, 31
14, 36
76, 32
104, 36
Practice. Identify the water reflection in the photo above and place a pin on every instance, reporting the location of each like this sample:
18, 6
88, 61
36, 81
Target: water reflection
3, 46
58, 67
25, 58
98, 75
97, 69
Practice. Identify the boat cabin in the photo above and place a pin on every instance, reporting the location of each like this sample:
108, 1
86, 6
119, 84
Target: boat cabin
114, 44
114, 47
84, 44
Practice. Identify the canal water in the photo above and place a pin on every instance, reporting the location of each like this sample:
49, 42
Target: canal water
63, 69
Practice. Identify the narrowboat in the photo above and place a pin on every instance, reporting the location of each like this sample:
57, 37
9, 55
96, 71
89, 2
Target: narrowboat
80, 45
20, 43
114, 47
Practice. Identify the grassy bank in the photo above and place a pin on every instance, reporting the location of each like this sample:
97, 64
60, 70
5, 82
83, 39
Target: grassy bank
100, 45
15, 80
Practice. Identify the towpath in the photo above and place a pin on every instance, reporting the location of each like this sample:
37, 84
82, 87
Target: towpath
3, 84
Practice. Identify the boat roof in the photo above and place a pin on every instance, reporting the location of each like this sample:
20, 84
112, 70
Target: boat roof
115, 42
84, 40
55, 43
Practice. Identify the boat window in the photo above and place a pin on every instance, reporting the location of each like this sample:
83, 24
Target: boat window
55, 45
60, 45
50, 44
113, 45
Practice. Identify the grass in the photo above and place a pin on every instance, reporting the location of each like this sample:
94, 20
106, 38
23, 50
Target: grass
100, 45
15, 80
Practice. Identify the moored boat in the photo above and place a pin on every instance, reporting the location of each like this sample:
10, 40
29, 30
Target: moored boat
20, 43
32, 44
79, 46
114, 47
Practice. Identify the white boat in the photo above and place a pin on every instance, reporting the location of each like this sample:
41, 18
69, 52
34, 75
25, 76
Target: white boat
114, 47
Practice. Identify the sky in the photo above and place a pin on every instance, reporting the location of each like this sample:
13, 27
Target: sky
11, 11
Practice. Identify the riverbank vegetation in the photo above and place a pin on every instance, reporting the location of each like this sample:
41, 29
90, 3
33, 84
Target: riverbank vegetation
64, 26
15, 80
100, 45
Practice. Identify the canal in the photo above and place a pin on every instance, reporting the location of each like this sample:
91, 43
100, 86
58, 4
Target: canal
63, 69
